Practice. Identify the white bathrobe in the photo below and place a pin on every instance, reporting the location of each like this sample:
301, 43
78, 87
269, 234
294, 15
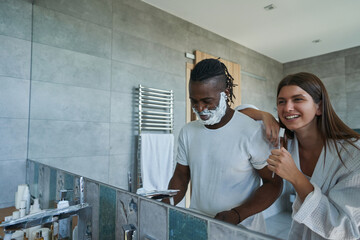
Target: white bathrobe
332, 210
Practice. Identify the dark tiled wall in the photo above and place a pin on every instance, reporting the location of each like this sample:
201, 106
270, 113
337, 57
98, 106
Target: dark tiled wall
186, 227
112, 208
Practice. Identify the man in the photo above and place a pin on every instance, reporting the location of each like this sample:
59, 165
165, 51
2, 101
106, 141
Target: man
223, 153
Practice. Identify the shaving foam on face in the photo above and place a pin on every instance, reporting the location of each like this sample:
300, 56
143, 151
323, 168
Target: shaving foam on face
215, 115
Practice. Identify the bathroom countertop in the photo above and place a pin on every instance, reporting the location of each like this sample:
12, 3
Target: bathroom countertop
3, 213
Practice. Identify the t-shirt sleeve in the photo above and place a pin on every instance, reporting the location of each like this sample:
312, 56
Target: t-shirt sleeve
181, 157
260, 148
245, 106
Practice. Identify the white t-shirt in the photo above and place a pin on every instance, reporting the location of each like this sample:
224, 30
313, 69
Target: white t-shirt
222, 162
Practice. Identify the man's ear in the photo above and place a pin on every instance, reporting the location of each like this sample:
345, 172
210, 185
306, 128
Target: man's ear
227, 92
319, 109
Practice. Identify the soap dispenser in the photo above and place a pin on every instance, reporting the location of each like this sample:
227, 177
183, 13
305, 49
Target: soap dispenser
63, 203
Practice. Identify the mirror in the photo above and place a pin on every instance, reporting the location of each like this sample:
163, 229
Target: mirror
77, 113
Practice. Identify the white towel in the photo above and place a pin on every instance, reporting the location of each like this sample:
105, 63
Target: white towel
157, 151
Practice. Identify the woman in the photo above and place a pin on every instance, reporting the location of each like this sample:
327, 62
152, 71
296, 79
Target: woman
322, 161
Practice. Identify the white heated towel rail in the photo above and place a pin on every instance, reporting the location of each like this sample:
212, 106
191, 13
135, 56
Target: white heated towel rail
155, 113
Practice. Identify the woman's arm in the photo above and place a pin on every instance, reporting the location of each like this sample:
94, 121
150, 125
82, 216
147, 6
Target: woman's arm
271, 125
328, 205
332, 215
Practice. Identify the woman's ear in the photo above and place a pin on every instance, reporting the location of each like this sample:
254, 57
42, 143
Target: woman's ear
319, 109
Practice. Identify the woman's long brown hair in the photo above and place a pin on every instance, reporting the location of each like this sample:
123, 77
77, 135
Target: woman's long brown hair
331, 127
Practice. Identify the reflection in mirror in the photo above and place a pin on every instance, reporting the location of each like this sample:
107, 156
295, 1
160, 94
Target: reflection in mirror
68, 70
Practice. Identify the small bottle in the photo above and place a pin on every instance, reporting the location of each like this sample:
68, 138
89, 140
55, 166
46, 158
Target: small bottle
25, 238
55, 233
37, 236
41, 236
52, 232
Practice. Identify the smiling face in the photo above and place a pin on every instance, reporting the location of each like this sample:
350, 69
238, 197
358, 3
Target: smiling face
297, 109
208, 100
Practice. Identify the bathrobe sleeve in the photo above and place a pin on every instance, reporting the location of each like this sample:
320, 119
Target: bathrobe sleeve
334, 214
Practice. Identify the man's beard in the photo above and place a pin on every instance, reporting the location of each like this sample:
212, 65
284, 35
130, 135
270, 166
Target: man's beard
216, 114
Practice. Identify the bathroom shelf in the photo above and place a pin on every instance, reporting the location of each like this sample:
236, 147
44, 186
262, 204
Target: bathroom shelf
45, 216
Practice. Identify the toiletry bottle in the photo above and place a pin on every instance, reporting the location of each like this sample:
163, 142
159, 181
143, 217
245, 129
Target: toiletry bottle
55, 234
37, 236
41, 236
25, 238
52, 232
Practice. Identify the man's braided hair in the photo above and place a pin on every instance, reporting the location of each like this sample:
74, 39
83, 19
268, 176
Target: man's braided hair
211, 68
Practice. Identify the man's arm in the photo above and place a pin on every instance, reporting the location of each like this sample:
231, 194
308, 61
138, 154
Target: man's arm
261, 199
180, 181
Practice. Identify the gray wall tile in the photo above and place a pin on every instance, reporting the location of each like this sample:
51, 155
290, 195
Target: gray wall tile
122, 107
330, 68
13, 138
252, 84
352, 82
126, 77
335, 84
138, 51
15, 57
352, 63
130, 20
67, 139
254, 99
203, 43
62, 102
119, 167
14, 97
353, 109
82, 166
56, 29
122, 139
58, 65
338, 101
12, 174
96, 11
15, 18
153, 218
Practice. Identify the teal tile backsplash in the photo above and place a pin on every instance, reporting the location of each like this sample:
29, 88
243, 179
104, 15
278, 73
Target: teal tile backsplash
126, 213
52, 190
33, 177
107, 214
69, 185
183, 226
113, 207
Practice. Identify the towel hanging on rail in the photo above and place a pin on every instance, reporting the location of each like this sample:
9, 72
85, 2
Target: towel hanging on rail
157, 152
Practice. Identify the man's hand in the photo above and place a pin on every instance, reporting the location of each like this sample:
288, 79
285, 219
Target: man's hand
228, 216
180, 180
